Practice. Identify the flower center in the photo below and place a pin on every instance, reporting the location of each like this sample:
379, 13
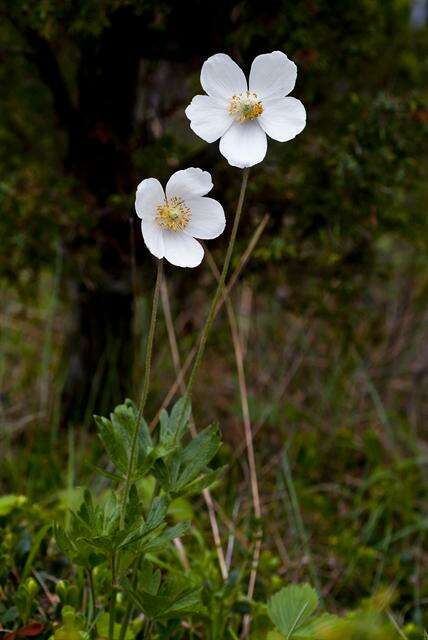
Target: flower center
245, 106
173, 214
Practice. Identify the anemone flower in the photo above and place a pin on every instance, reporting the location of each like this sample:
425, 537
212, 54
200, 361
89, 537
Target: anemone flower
172, 219
241, 114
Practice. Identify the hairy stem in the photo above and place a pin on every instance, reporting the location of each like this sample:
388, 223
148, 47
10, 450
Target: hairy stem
144, 394
112, 612
201, 350
180, 375
92, 597
212, 312
206, 492
130, 605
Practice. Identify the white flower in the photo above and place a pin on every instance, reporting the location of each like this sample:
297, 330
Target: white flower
241, 115
171, 220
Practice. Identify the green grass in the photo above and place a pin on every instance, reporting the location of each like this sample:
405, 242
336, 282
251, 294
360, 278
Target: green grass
338, 420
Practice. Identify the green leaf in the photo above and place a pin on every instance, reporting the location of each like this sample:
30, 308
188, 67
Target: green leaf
94, 526
320, 624
63, 540
113, 443
175, 600
164, 425
180, 417
195, 457
291, 608
103, 628
174, 426
155, 520
161, 473
10, 502
181, 509
203, 482
116, 435
107, 474
163, 539
34, 550
157, 513
149, 577
134, 509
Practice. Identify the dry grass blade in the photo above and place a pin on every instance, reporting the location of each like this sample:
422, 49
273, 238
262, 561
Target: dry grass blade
234, 277
182, 385
243, 392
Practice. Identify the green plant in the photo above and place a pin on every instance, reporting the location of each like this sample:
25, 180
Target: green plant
96, 537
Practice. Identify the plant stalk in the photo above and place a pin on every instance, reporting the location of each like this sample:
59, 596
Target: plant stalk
144, 394
112, 612
220, 286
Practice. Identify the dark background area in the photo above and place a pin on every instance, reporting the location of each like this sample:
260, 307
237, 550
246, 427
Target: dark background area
92, 101
333, 303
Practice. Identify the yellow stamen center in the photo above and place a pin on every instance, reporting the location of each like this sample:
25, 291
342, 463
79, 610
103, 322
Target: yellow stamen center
245, 106
173, 214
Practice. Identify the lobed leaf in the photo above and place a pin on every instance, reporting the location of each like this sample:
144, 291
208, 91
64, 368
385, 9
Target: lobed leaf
291, 608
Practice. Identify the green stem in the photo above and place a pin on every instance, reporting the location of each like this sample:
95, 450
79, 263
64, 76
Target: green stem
130, 606
144, 394
148, 628
91, 611
134, 572
112, 612
220, 286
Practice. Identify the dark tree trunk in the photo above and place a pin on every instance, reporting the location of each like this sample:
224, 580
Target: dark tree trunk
99, 128
100, 156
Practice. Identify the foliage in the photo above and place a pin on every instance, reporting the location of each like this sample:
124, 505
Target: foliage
346, 184
92, 101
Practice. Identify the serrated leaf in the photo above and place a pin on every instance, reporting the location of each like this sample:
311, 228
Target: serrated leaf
180, 416
161, 473
196, 456
149, 577
202, 483
157, 513
186, 603
291, 608
164, 425
134, 510
115, 448
107, 474
163, 539
104, 544
319, 625
174, 426
155, 520
150, 604
103, 621
116, 435
166, 605
63, 540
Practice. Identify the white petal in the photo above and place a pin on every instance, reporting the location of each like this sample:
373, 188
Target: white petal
207, 221
209, 118
272, 75
153, 237
244, 145
149, 195
189, 183
222, 78
181, 249
283, 118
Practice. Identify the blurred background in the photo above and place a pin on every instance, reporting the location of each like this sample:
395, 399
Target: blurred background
331, 308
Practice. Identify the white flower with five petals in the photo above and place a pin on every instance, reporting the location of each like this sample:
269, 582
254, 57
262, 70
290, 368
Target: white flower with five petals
241, 115
171, 220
